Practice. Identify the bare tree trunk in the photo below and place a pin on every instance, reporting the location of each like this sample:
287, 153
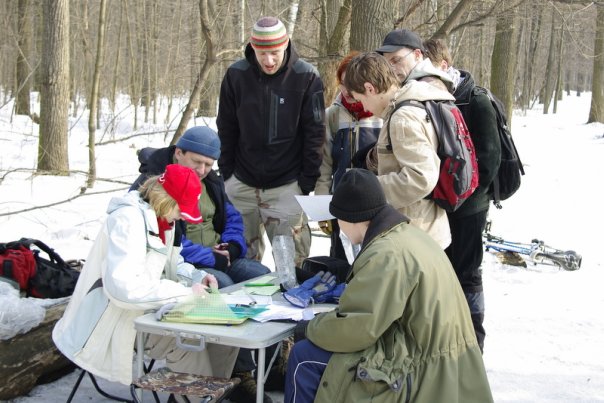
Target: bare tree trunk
503, 60
332, 34
558, 96
370, 22
133, 86
596, 111
461, 10
291, 16
94, 95
550, 72
210, 61
24, 70
54, 98
528, 94
113, 94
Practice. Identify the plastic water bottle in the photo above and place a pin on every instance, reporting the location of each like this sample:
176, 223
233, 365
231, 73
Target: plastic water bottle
284, 254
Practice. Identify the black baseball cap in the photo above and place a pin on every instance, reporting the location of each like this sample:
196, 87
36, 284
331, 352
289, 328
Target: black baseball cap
400, 38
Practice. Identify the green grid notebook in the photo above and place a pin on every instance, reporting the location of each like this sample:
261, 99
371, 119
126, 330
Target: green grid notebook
211, 309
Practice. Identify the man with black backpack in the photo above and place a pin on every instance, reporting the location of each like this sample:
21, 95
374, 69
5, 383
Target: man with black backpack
467, 223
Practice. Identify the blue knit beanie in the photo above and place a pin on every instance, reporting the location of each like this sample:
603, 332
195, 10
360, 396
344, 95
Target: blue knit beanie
201, 140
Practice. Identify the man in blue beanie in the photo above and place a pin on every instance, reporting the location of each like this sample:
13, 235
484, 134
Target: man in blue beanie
217, 244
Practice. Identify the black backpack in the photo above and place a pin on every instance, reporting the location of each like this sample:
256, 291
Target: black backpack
37, 276
508, 178
458, 177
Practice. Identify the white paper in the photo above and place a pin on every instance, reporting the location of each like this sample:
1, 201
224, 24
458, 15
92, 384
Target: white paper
316, 207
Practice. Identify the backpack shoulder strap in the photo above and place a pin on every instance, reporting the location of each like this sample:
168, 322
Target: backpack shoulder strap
417, 104
54, 256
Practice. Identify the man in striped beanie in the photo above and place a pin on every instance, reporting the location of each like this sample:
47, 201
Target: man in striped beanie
269, 40
271, 128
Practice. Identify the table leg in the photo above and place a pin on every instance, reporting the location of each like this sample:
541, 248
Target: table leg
260, 375
140, 354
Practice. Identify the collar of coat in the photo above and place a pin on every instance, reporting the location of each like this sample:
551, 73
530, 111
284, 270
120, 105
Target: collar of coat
384, 220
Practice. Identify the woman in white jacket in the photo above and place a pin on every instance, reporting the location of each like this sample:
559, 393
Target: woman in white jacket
131, 268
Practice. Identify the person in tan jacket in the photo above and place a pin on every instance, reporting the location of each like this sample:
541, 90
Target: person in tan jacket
407, 165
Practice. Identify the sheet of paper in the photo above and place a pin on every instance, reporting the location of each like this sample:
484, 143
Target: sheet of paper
315, 207
281, 310
240, 297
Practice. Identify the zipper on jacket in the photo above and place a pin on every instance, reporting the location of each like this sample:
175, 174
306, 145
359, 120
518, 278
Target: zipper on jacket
408, 397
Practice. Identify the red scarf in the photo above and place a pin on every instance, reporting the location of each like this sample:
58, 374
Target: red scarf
356, 109
163, 226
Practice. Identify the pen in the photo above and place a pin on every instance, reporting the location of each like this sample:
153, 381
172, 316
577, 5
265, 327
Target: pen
258, 285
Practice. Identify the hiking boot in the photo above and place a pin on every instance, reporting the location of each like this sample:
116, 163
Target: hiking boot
245, 392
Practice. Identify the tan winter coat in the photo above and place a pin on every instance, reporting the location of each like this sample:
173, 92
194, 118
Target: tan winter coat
409, 171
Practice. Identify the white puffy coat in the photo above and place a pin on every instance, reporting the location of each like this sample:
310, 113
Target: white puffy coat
121, 279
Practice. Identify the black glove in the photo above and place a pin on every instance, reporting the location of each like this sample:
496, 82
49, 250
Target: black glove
222, 262
300, 331
306, 185
234, 251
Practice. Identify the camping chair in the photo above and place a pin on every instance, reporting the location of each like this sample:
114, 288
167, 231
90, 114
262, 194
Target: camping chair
208, 388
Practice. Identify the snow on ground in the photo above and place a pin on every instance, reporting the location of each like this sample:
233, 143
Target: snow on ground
544, 325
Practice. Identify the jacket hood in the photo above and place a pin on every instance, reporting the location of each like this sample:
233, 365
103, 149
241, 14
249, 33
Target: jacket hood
132, 199
464, 88
425, 68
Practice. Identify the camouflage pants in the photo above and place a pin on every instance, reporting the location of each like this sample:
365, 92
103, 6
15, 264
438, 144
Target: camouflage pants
264, 210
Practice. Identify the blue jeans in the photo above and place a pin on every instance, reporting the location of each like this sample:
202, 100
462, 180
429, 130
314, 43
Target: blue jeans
305, 368
240, 270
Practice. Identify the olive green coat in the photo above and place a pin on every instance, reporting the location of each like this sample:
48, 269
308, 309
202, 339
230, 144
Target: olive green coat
402, 331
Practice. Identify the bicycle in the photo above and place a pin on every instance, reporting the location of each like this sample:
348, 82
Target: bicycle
537, 251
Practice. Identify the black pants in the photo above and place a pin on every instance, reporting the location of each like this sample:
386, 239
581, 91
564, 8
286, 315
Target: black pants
465, 254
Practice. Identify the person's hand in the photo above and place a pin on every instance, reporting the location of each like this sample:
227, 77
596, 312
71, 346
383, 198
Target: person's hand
222, 258
326, 227
210, 281
164, 310
312, 289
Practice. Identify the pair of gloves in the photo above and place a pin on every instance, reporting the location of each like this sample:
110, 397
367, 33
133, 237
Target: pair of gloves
322, 287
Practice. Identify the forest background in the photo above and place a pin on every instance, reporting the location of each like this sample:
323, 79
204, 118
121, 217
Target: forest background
84, 52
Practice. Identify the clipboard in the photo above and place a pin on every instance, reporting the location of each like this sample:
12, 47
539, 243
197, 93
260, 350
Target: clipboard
211, 309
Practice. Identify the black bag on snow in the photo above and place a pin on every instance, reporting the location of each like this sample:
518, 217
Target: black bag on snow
36, 275
508, 178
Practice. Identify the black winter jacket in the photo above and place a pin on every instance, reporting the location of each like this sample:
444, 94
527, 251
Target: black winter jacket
481, 120
271, 126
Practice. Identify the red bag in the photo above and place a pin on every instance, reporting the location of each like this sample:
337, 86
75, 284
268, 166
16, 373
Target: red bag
17, 263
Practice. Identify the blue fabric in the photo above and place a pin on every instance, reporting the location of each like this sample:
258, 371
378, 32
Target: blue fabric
240, 270
305, 368
319, 288
202, 256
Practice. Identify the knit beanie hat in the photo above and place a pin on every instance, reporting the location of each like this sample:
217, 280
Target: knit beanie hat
201, 140
269, 34
358, 197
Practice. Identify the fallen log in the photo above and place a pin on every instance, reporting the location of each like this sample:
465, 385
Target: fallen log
32, 358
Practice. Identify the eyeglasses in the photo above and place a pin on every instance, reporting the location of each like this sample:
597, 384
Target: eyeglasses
397, 60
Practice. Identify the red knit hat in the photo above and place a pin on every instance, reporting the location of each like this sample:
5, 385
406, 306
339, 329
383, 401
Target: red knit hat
184, 186
269, 34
